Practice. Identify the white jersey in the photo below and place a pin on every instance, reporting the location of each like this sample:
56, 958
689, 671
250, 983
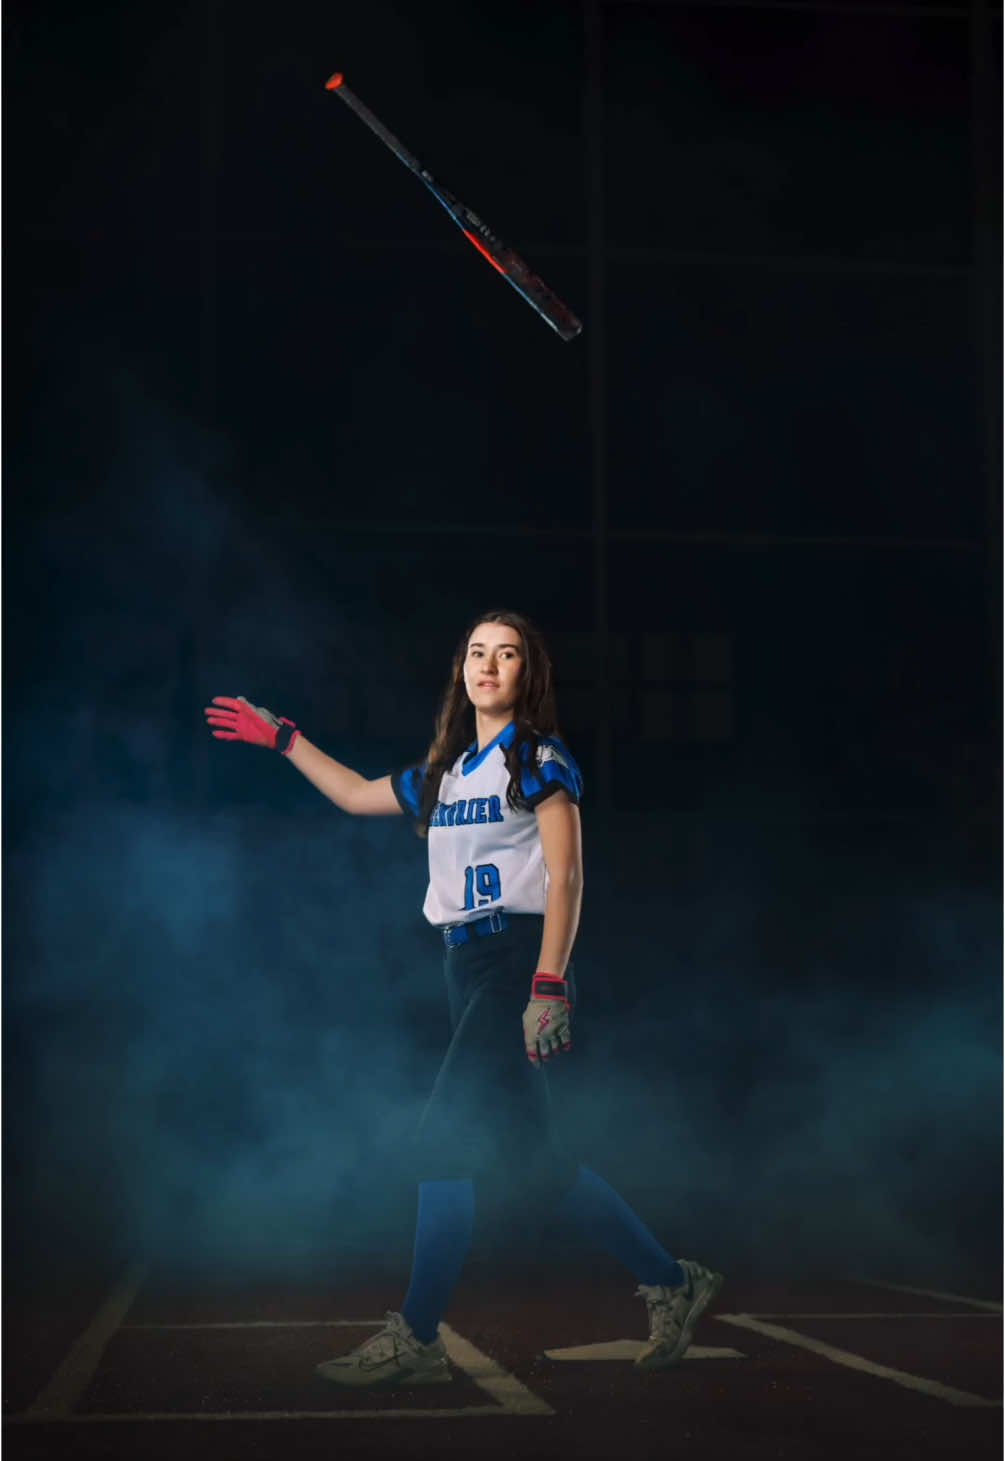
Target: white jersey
483, 856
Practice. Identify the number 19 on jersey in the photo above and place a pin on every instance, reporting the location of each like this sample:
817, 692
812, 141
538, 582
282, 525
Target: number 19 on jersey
481, 885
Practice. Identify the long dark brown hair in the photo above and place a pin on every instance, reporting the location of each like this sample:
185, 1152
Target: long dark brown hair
534, 713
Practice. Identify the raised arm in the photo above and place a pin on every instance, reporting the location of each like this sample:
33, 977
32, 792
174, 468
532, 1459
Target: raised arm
239, 720
346, 788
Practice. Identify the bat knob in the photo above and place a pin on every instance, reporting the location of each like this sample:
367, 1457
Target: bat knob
334, 82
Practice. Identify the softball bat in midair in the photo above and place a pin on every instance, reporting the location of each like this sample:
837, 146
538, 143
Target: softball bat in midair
500, 256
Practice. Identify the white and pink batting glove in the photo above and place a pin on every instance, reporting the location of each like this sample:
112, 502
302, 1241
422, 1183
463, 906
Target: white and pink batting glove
239, 720
547, 1020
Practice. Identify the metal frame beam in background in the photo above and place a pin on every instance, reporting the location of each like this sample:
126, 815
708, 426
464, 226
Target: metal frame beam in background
726, 262
207, 378
596, 344
986, 310
906, 9
405, 528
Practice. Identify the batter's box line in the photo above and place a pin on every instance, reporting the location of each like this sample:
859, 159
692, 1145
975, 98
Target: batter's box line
508, 1394
851, 1361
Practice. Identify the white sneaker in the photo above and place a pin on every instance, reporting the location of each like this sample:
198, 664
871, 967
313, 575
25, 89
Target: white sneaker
392, 1357
673, 1313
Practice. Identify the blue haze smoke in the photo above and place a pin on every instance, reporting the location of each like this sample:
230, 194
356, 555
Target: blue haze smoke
224, 1011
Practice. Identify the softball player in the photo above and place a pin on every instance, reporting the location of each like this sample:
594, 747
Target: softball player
501, 816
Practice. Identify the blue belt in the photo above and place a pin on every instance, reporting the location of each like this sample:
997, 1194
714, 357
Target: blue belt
460, 933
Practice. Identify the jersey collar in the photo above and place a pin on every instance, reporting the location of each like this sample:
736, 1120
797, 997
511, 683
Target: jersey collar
473, 758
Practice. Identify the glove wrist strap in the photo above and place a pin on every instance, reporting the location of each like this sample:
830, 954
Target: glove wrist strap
549, 986
285, 736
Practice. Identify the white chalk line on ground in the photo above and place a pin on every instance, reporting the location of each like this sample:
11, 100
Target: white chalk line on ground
369, 1323
882, 1314
851, 1361
116, 1417
263, 1324
503, 1387
628, 1349
990, 1305
57, 1399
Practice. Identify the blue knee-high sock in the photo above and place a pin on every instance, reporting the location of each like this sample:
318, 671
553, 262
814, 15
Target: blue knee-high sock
606, 1220
442, 1239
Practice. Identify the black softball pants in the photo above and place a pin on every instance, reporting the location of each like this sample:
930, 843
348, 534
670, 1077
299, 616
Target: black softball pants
490, 1115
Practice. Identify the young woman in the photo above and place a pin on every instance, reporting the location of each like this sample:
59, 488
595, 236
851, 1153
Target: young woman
497, 798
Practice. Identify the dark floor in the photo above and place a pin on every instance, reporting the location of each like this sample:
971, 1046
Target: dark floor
140, 1364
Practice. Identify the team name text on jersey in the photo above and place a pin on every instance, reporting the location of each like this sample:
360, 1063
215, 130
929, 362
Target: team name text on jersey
466, 811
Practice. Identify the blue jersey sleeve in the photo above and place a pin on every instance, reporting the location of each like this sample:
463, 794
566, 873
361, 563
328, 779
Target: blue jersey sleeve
407, 787
552, 770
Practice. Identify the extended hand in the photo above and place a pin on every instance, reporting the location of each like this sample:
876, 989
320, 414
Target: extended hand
239, 720
547, 1020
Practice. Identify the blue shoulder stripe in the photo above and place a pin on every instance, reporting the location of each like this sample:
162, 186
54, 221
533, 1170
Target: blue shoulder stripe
407, 787
555, 770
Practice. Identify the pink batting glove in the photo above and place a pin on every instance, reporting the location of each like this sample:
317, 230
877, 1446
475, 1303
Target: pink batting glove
239, 720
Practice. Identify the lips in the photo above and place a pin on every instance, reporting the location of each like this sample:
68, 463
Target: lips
488, 684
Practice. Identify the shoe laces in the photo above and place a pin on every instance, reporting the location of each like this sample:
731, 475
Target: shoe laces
666, 1308
389, 1341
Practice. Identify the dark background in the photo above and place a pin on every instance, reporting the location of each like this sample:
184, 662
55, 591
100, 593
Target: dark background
273, 428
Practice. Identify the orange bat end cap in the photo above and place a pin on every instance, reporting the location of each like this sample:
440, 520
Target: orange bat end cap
334, 82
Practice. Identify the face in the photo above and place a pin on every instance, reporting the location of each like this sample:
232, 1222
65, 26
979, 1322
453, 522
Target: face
492, 667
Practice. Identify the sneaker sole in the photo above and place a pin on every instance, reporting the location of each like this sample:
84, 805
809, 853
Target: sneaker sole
400, 1380
658, 1361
